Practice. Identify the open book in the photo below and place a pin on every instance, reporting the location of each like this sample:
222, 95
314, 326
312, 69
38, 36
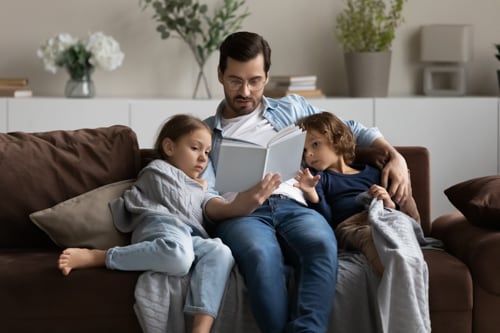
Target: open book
242, 164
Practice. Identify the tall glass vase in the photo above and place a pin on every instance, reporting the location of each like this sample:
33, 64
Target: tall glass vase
80, 86
201, 80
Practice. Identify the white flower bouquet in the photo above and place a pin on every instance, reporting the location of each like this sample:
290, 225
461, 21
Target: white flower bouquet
80, 56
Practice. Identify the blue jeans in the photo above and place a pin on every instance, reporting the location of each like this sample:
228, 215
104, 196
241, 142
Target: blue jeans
165, 245
280, 233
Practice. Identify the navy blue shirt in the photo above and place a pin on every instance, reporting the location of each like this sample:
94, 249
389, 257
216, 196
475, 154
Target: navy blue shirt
337, 192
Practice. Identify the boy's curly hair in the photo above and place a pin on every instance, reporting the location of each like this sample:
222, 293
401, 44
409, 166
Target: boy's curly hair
335, 130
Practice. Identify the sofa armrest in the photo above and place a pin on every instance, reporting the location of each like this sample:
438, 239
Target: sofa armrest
477, 247
417, 159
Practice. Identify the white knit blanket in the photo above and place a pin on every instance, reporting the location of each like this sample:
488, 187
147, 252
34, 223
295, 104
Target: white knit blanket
395, 302
403, 289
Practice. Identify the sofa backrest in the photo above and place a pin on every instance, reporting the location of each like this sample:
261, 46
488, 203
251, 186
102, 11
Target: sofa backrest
39, 170
417, 159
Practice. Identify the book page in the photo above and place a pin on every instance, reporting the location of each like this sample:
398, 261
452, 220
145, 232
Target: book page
285, 156
240, 166
285, 133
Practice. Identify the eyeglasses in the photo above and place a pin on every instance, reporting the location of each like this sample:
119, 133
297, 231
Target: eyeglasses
252, 84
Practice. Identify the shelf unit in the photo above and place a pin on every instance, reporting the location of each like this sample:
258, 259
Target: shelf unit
461, 133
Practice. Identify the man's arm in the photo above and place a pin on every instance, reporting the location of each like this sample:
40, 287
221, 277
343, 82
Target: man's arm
395, 170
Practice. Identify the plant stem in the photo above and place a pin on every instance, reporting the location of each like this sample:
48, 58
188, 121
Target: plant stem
201, 75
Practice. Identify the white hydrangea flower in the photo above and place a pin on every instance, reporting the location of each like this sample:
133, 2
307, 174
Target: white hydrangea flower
52, 49
105, 51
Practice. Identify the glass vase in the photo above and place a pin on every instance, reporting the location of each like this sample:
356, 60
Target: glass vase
80, 87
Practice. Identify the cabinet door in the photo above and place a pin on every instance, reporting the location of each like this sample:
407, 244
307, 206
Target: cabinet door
460, 133
47, 114
359, 109
3, 114
147, 116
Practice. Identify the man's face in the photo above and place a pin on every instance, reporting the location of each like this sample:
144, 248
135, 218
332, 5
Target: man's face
243, 84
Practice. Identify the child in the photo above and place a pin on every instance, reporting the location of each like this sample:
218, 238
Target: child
334, 183
164, 210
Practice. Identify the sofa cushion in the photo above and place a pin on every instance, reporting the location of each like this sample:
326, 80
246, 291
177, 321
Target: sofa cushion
40, 170
36, 297
478, 200
85, 220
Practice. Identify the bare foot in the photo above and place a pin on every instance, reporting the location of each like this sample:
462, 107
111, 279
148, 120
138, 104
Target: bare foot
73, 258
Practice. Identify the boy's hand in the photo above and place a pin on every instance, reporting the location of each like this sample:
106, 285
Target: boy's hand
381, 193
307, 182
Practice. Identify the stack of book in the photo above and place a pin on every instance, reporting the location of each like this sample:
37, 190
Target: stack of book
15, 87
304, 85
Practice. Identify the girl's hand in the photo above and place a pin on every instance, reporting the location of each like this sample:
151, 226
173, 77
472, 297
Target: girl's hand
247, 201
219, 209
381, 193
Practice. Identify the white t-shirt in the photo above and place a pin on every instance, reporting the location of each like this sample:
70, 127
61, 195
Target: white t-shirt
253, 127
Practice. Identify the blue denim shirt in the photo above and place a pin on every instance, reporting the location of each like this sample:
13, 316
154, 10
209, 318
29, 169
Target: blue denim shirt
280, 113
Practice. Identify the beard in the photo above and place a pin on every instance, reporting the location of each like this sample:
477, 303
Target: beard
240, 105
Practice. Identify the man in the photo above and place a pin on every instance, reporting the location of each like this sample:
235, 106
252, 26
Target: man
282, 231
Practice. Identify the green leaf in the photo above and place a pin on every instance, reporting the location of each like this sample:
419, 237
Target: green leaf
368, 25
190, 21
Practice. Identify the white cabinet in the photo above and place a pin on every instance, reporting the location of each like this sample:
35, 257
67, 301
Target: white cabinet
360, 109
3, 115
460, 133
46, 114
147, 116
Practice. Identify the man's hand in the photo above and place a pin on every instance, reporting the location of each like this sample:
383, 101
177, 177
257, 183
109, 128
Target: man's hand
396, 170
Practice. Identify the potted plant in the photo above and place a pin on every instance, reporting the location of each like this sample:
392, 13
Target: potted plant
365, 30
189, 20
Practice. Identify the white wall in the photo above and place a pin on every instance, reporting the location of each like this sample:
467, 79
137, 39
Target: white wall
300, 33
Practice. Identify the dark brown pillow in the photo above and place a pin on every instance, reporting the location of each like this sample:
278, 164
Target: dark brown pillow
40, 170
478, 199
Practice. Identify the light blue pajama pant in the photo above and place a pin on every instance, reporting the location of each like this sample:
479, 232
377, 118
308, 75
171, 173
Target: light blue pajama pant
166, 245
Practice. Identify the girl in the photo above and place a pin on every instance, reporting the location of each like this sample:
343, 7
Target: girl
164, 211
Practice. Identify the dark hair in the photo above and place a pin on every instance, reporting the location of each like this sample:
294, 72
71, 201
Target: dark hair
176, 127
244, 46
336, 132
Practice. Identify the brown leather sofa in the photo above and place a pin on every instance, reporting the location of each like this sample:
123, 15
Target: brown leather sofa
479, 248
38, 171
